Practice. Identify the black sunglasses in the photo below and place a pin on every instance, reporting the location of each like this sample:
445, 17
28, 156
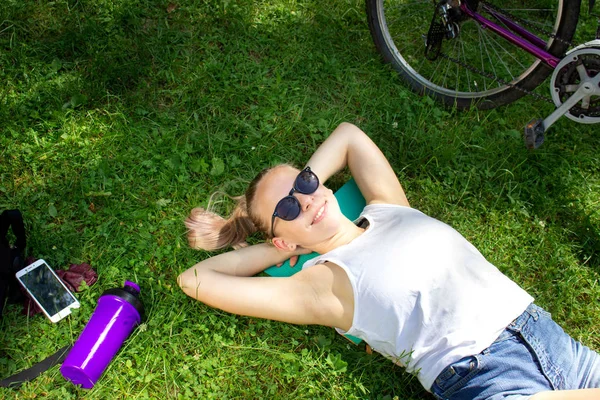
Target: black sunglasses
289, 207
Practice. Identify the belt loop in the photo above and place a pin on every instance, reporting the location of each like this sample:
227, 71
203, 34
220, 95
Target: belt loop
533, 311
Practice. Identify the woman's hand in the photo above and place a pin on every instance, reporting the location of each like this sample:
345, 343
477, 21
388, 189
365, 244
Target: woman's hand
294, 257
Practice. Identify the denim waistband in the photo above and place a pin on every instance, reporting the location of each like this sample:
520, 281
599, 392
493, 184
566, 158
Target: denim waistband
532, 311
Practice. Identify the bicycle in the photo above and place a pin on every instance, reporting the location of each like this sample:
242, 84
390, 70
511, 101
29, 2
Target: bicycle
471, 53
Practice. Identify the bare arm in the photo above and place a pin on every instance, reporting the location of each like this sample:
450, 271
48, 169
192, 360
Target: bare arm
226, 282
349, 146
246, 261
581, 394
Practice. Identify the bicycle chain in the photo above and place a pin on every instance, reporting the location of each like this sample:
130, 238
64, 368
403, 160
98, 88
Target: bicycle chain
500, 80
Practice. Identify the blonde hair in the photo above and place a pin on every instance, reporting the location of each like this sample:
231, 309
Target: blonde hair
210, 231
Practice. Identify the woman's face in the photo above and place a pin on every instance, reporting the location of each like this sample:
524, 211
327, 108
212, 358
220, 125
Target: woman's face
320, 215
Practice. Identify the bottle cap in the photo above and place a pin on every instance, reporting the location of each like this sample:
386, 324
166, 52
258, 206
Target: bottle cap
129, 293
132, 288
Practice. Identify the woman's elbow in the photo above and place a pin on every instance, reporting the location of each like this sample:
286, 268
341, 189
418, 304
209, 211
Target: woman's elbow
189, 282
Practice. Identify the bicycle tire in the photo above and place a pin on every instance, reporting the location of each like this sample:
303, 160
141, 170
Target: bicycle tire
409, 25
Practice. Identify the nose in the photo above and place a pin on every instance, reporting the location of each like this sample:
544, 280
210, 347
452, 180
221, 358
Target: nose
306, 200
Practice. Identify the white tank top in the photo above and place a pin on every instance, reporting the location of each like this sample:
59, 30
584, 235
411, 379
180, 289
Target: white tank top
423, 295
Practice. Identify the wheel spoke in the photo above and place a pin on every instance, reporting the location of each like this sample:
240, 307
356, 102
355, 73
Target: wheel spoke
462, 49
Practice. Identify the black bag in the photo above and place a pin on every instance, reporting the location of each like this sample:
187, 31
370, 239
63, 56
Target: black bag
12, 257
12, 260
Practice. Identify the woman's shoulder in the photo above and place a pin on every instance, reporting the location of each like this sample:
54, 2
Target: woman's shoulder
390, 216
376, 208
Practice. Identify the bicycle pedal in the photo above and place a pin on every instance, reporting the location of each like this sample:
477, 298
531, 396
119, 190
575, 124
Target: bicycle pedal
534, 133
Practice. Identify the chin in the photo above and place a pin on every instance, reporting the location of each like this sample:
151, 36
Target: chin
329, 229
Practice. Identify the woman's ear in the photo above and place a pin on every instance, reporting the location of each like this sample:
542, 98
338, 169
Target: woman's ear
281, 244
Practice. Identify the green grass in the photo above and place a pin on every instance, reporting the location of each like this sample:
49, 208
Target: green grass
119, 116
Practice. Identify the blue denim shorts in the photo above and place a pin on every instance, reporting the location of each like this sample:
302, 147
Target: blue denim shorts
533, 354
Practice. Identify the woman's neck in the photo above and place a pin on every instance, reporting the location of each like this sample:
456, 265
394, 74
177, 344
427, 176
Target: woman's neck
348, 232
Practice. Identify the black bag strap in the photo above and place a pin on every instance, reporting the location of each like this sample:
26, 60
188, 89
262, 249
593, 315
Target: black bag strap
29, 374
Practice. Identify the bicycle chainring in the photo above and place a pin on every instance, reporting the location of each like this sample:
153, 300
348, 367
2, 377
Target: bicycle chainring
567, 79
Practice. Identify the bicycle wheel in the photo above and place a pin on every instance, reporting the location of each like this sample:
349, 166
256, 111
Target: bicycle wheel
399, 29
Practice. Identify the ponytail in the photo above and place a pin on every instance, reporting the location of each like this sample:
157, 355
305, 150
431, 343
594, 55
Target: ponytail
209, 231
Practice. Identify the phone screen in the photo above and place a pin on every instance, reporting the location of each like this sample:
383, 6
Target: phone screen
47, 289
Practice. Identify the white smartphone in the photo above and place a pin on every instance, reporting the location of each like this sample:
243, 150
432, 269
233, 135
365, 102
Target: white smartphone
47, 290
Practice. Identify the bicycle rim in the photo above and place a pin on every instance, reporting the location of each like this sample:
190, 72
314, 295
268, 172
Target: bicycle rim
399, 28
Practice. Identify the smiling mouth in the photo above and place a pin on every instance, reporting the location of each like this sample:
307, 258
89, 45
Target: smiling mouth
320, 214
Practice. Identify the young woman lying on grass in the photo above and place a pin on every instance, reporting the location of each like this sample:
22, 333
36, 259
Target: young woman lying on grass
410, 286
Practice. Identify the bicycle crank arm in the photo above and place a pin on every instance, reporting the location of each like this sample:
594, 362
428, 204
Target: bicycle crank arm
535, 129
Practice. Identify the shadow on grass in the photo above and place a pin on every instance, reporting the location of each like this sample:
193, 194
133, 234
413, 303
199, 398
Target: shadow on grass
125, 114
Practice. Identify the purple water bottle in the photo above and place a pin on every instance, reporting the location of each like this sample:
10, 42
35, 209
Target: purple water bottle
117, 313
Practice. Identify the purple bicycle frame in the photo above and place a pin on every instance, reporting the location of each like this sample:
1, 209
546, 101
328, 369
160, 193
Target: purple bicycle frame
523, 38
